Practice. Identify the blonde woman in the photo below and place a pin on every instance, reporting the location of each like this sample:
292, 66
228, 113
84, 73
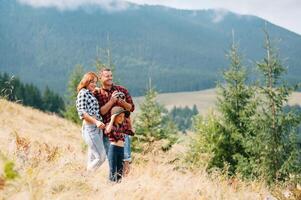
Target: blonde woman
88, 110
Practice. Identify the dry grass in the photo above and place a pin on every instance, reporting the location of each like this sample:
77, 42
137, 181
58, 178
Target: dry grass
48, 156
203, 99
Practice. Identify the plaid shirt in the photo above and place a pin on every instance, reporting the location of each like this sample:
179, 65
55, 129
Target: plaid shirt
104, 96
118, 133
87, 103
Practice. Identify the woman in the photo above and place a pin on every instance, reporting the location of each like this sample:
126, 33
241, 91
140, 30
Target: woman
88, 110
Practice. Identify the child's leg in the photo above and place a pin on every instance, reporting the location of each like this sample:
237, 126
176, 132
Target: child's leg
120, 163
112, 162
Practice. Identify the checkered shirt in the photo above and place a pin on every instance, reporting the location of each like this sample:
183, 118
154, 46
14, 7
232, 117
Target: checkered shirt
104, 96
87, 103
118, 133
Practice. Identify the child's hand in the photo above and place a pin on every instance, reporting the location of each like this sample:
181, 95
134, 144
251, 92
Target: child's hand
113, 116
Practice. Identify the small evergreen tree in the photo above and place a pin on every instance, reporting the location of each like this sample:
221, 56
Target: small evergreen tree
222, 136
236, 107
277, 154
152, 125
75, 77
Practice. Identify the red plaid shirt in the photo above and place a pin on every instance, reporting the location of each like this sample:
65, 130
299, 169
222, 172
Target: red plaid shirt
117, 133
104, 96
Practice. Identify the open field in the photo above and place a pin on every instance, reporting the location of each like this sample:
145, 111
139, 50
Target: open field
203, 99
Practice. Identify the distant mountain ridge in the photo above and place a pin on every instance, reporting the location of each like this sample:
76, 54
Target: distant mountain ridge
181, 50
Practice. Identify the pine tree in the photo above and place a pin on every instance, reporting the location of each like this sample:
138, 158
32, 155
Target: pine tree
236, 106
75, 77
152, 124
222, 136
278, 156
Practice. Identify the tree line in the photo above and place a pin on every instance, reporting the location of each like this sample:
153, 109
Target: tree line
12, 89
182, 117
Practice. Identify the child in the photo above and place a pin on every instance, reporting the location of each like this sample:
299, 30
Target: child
116, 129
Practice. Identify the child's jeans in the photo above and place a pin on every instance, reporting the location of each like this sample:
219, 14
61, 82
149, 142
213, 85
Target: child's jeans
96, 152
115, 157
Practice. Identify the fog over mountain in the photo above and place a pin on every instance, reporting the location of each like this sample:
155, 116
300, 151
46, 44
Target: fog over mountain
181, 50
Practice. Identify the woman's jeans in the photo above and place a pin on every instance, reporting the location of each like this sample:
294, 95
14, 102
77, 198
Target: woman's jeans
115, 157
96, 151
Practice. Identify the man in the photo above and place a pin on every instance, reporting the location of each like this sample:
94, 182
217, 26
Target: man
108, 96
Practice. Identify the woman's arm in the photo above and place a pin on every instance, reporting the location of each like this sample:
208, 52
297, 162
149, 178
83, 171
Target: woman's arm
92, 120
81, 106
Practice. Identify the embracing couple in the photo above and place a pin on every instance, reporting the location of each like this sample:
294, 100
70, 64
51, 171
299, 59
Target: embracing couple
106, 126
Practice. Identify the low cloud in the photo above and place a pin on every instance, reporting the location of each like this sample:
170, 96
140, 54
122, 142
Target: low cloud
110, 5
284, 13
219, 15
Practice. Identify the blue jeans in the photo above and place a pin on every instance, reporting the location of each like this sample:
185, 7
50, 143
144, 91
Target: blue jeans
127, 148
115, 158
96, 152
106, 144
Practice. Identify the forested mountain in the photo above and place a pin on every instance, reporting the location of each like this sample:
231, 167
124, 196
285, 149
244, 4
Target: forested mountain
181, 50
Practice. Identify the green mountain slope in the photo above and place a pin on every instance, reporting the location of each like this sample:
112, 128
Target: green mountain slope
180, 50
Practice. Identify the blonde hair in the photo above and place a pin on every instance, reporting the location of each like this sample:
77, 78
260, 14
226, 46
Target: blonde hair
86, 80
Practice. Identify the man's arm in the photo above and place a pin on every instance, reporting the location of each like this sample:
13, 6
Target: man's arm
124, 104
105, 108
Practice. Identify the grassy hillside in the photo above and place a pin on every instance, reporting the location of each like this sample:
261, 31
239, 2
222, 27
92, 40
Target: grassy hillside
203, 99
50, 160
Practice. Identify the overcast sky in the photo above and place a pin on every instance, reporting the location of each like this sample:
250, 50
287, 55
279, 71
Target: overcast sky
285, 13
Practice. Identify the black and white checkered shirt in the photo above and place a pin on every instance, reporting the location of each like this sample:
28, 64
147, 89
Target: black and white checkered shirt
87, 103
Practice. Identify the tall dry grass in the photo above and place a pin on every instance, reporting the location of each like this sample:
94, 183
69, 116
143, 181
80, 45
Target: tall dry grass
50, 160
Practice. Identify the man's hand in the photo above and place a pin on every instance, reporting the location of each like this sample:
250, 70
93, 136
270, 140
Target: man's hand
114, 98
121, 102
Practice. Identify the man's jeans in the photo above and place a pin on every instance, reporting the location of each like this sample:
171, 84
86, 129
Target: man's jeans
106, 143
96, 151
115, 157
